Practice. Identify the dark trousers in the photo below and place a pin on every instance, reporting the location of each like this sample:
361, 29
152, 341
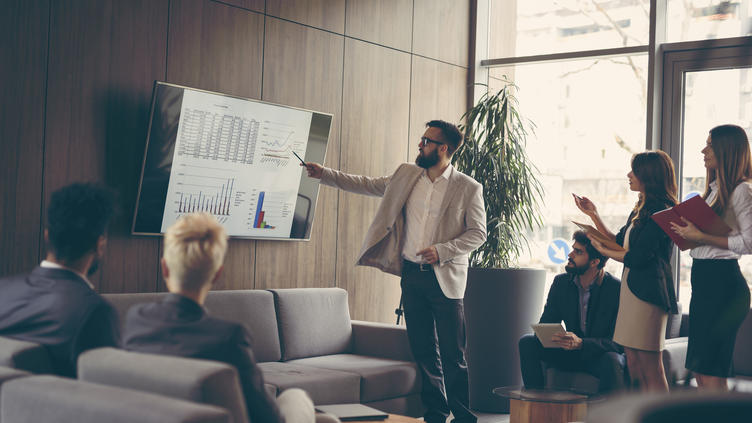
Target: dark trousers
436, 331
607, 367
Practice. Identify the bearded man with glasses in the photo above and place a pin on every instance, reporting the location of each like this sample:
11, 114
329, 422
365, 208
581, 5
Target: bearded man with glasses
430, 219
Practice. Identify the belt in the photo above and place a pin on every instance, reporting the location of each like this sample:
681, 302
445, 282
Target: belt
420, 267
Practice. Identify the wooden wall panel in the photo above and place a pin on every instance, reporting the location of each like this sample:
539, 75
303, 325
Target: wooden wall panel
384, 22
217, 47
303, 68
374, 130
23, 69
255, 5
437, 91
324, 14
441, 30
104, 57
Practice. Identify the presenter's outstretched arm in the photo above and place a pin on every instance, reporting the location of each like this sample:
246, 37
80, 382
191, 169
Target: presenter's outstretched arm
357, 184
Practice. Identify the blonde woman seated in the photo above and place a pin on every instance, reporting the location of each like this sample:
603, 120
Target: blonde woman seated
194, 250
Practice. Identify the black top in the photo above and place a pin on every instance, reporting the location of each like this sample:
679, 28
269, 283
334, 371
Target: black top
563, 303
181, 327
58, 309
650, 278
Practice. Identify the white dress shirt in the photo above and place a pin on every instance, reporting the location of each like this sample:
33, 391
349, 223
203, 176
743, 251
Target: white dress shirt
738, 216
422, 213
51, 265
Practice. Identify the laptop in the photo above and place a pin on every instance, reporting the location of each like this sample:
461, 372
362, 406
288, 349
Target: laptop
352, 412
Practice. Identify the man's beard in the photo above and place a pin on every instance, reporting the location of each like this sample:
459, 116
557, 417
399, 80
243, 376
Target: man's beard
427, 161
94, 266
573, 269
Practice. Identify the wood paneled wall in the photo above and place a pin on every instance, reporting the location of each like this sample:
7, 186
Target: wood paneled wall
77, 79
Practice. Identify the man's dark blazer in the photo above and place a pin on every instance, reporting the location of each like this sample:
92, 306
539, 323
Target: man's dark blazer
563, 303
179, 326
58, 309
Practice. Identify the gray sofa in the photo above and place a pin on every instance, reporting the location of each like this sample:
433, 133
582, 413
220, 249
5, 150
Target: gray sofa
32, 399
304, 338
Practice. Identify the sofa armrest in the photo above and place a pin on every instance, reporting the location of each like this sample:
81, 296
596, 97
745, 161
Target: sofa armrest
381, 340
674, 358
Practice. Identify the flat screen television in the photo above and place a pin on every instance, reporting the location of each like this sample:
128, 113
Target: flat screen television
232, 157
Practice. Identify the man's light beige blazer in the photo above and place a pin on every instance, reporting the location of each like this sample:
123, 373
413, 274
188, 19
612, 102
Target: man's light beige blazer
461, 224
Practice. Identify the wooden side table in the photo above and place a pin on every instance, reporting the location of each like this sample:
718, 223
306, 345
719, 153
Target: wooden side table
543, 406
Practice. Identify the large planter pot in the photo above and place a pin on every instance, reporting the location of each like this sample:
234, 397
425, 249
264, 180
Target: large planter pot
500, 306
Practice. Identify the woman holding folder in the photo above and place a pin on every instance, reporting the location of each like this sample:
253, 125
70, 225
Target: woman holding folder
647, 288
720, 295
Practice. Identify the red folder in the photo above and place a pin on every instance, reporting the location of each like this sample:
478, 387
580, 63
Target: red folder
697, 211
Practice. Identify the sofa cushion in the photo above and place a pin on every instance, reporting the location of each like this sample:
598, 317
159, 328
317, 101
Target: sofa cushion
55, 399
323, 385
8, 374
743, 348
380, 378
313, 322
202, 381
24, 355
674, 358
123, 302
255, 310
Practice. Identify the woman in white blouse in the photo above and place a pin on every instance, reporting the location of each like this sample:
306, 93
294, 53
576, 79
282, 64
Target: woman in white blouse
720, 296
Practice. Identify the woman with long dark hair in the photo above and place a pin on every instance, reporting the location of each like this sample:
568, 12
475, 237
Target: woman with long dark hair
647, 288
720, 295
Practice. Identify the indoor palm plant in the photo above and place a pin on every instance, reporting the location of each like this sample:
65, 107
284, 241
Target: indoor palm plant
500, 302
494, 154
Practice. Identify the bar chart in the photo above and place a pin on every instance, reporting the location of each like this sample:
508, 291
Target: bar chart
216, 200
271, 207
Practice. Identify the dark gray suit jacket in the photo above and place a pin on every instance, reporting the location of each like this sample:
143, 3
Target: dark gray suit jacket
181, 327
58, 309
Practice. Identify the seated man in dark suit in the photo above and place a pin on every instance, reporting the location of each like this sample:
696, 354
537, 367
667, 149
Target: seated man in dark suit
55, 305
194, 249
586, 298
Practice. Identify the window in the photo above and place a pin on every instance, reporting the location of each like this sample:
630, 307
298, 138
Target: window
592, 108
707, 19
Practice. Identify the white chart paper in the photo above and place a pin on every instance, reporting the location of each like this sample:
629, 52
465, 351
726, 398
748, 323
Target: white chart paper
233, 158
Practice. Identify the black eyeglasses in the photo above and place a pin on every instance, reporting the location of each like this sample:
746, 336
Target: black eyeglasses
424, 141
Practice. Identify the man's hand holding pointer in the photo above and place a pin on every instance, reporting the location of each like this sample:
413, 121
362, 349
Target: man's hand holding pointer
314, 169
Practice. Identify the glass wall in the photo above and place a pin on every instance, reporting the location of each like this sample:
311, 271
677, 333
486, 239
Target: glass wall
711, 98
590, 113
589, 119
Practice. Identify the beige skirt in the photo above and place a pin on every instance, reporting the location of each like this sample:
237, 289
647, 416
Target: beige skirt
639, 324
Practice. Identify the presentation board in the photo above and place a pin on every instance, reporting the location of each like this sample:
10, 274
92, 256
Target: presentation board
231, 157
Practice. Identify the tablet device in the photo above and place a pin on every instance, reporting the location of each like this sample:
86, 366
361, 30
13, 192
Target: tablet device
544, 332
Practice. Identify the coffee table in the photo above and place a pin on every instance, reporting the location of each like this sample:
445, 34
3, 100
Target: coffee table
544, 406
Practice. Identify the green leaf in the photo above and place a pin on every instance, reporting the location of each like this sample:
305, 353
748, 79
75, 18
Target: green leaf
494, 154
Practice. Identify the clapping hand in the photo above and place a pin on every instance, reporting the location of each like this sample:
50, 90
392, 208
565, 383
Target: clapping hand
585, 205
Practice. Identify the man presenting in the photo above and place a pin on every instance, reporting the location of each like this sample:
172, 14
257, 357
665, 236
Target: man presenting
430, 219
586, 298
